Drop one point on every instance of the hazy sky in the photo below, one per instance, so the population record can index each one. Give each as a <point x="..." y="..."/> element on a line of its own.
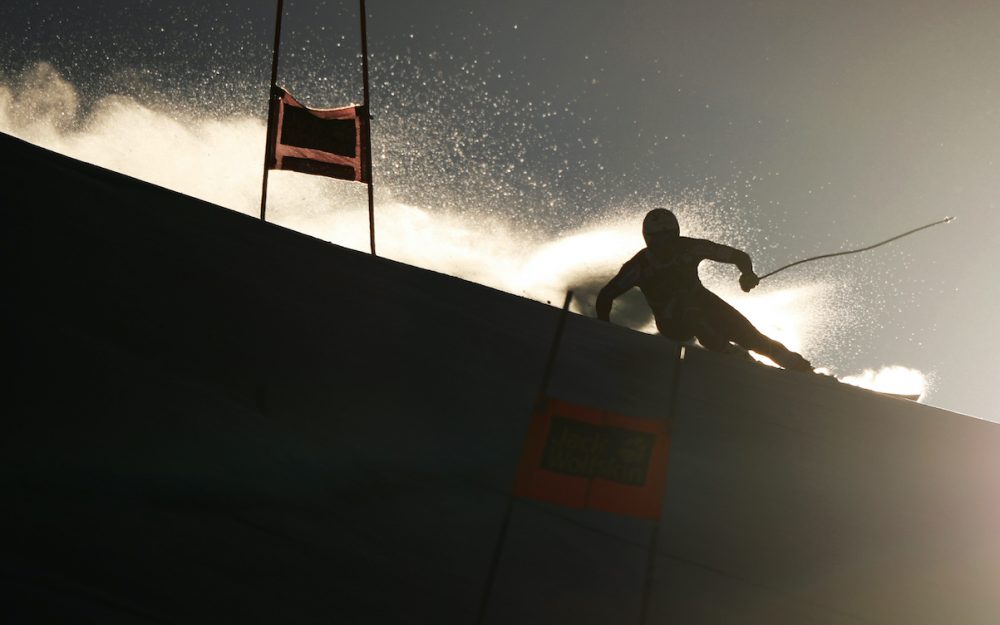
<point x="815" y="126"/>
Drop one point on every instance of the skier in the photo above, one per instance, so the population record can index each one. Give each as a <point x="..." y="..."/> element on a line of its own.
<point x="666" y="272"/>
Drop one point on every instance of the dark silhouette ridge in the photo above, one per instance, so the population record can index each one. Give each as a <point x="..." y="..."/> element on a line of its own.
<point x="214" y="419"/>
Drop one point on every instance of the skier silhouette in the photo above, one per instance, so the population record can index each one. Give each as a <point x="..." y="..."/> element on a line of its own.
<point x="666" y="271"/>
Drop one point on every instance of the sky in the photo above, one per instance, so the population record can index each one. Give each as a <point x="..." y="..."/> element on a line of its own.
<point x="519" y="144"/>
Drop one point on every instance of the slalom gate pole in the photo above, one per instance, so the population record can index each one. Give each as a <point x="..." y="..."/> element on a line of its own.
<point x="863" y="249"/>
<point x="550" y="364"/>
<point x="269" y="143"/>
<point x="502" y="537"/>
<point x="367" y="166"/>
<point x="654" y="535"/>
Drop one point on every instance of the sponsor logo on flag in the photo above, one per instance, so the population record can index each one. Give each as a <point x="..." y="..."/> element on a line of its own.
<point x="580" y="457"/>
<point x="324" y="142"/>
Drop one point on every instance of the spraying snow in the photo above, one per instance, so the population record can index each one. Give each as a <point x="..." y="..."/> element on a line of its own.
<point x="220" y="161"/>
<point x="891" y="377"/>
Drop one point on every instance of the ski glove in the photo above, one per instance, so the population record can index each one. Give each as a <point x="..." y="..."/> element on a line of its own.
<point x="748" y="280"/>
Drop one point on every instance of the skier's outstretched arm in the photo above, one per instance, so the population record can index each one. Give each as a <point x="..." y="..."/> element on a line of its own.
<point x="627" y="278"/>
<point x="605" y="299"/>
<point x="725" y="254"/>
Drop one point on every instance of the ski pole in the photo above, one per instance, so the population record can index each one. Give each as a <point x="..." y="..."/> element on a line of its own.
<point x="863" y="249"/>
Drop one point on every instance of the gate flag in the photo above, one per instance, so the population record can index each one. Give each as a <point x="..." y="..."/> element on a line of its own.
<point x="580" y="457"/>
<point x="324" y="142"/>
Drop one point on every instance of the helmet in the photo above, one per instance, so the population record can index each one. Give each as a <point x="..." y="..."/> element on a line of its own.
<point x="661" y="224"/>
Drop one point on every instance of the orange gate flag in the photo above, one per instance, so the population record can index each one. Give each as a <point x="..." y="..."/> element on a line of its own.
<point x="580" y="457"/>
<point x="325" y="142"/>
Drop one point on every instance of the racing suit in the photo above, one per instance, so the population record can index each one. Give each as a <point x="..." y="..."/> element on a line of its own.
<point x="684" y="309"/>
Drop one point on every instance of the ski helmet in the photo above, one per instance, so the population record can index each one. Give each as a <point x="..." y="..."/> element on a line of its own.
<point x="657" y="221"/>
